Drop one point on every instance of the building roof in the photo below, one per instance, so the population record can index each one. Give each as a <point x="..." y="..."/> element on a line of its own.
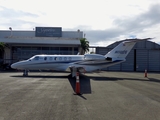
<point x="28" y="37"/>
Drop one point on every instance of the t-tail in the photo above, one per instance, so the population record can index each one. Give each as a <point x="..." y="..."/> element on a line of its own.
<point x="122" y="50"/>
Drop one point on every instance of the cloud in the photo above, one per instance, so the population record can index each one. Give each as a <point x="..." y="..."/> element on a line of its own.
<point x="127" y="26"/>
<point x="11" y="17"/>
<point x="11" y="13"/>
<point x="144" y="20"/>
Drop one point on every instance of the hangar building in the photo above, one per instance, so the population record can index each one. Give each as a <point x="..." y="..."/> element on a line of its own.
<point x="43" y="40"/>
<point x="144" y="55"/>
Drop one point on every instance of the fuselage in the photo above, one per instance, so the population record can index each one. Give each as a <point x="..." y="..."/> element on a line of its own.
<point x="63" y="62"/>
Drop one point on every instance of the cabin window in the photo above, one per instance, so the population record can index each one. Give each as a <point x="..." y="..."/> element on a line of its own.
<point x="55" y="58"/>
<point x="70" y="58"/>
<point x="50" y="58"/>
<point x="45" y="58"/>
<point x="65" y="58"/>
<point x="60" y="58"/>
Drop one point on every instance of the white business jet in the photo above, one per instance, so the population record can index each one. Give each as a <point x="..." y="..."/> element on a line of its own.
<point x="80" y="63"/>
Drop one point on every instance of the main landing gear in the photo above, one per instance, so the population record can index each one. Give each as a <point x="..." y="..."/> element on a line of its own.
<point x="73" y="71"/>
<point x="25" y="73"/>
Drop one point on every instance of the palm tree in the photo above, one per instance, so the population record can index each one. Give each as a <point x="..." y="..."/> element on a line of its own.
<point x="84" y="46"/>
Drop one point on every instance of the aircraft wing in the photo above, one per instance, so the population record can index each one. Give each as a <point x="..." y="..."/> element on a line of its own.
<point x="80" y="69"/>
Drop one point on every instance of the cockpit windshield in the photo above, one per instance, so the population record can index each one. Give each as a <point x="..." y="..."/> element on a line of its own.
<point x="34" y="58"/>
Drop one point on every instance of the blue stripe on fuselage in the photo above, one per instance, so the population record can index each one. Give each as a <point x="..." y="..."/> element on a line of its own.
<point x="86" y="62"/>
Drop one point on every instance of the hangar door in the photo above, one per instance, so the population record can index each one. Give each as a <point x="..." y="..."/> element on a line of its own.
<point x="141" y="61"/>
<point x="128" y="65"/>
<point x="154" y="60"/>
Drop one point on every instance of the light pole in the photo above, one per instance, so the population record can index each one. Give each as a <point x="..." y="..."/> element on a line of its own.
<point x="11" y="31"/>
<point x="79" y="48"/>
<point x="78" y="33"/>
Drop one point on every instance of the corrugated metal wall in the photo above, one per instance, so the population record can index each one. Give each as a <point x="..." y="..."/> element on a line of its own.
<point x="141" y="59"/>
<point x="144" y="55"/>
<point x="154" y="60"/>
<point x="115" y="68"/>
<point x="128" y="65"/>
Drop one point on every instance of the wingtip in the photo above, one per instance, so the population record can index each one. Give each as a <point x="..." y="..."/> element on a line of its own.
<point x="137" y="39"/>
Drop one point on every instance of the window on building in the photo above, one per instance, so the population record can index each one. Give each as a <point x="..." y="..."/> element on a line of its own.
<point x="64" y="50"/>
<point x="54" y="50"/>
<point x="70" y="51"/>
<point x="75" y="51"/>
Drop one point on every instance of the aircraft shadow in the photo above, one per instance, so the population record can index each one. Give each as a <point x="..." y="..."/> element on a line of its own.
<point x="85" y="84"/>
<point x="154" y="80"/>
<point x="116" y="79"/>
<point x="39" y="76"/>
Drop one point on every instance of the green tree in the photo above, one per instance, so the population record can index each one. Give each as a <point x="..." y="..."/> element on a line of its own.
<point x="2" y="47"/>
<point x="84" y="46"/>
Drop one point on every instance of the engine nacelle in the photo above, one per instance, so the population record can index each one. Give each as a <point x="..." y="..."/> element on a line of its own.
<point x="94" y="57"/>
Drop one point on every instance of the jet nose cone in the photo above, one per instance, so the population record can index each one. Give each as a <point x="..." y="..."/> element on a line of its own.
<point x="14" y="66"/>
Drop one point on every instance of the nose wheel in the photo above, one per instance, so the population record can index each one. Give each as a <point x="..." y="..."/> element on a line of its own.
<point x="25" y="73"/>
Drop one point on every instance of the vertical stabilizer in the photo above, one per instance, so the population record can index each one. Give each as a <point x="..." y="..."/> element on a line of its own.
<point x="121" y="51"/>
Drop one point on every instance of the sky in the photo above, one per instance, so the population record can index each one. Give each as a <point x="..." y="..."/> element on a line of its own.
<point x="102" y="21"/>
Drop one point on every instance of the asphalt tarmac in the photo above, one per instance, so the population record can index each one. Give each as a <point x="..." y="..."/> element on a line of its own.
<point x="105" y="96"/>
